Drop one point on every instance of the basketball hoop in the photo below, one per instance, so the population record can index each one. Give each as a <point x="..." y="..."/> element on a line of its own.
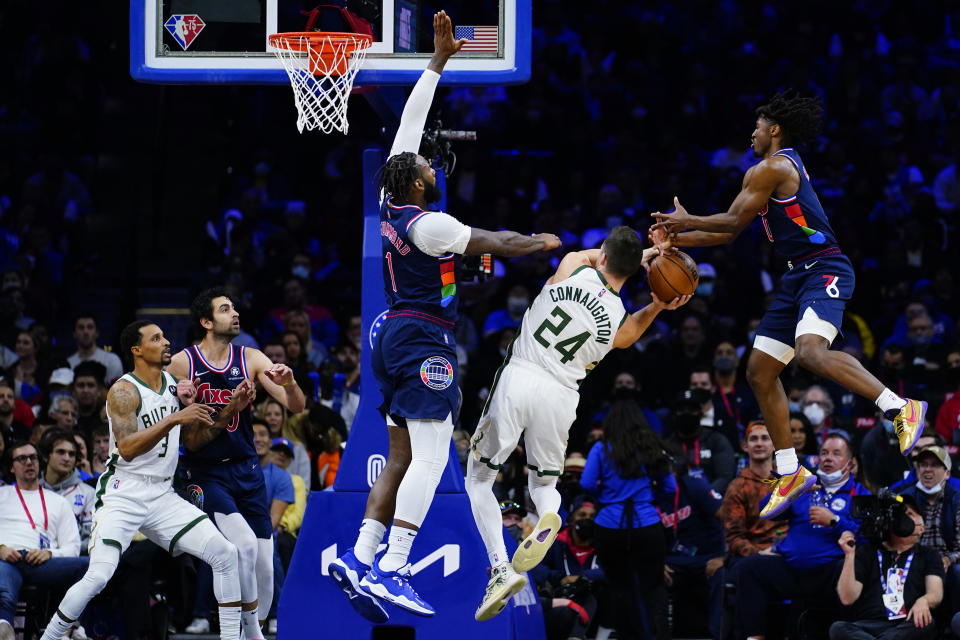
<point x="321" y="67"/>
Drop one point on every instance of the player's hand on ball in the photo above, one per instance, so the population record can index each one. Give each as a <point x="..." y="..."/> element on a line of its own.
<point x="187" y="391"/>
<point x="196" y="413"/>
<point x="660" y="241"/>
<point x="550" y="241"/>
<point x="676" y="303"/>
<point x="673" y="223"/>
<point x="279" y="374"/>
<point x="443" y="43"/>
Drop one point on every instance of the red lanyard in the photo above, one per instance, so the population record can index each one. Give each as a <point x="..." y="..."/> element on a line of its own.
<point x="30" y="517"/>
<point x="726" y="403"/>
<point x="696" y="452"/>
<point x="676" y="506"/>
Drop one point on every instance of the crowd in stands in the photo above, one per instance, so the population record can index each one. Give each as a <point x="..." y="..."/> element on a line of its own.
<point x="666" y="111"/>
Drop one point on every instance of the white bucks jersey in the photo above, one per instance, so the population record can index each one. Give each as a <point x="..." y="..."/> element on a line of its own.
<point x="570" y="326"/>
<point x="161" y="461"/>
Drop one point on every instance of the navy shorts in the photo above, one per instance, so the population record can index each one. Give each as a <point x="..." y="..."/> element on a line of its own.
<point x="232" y="487"/>
<point x="823" y="284"/>
<point x="415" y="362"/>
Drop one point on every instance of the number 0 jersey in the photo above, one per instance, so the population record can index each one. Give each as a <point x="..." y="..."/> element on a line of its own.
<point x="161" y="461"/>
<point x="570" y="326"/>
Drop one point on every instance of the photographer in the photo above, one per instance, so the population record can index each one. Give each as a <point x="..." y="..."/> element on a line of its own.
<point x="892" y="582"/>
<point x="568" y="576"/>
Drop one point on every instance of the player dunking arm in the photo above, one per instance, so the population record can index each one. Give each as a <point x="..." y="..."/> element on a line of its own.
<point x="220" y="465"/>
<point x="135" y="492"/>
<point x="574" y="322"/>
<point x="806" y="316"/>
<point x="414" y="357"/>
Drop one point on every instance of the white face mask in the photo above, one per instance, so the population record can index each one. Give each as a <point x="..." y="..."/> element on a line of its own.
<point x="815" y="414"/>
<point x="932" y="491"/>
<point x="831" y="478"/>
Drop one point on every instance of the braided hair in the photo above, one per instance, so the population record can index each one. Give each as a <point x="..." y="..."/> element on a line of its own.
<point x="396" y="177"/>
<point x="799" y="117"/>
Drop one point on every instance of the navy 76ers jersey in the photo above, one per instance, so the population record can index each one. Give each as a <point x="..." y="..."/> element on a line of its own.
<point x="215" y="389"/>
<point x="411" y="278"/>
<point x="797" y="226"/>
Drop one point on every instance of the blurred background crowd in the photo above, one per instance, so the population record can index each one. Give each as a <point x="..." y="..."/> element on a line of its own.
<point x="118" y="198"/>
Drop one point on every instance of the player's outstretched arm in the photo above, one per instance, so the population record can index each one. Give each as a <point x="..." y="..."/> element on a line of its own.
<point x="277" y="380"/>
<point x="636" y="323"/>
<point x="421" y="97"/>
<point x="573" y="261"/>
<point x="509" y="243"/>
<point x="122" y="404"/>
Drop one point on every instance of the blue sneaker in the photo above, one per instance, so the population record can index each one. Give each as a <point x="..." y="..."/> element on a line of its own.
<point x="347" y="572"/>
<point x="394" y="587"/>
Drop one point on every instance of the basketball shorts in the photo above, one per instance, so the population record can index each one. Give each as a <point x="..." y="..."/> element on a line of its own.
<point x="527" y="401"/>
<point x="415" y="363"/>
<point x="130" y="502"/>
<point x="235" y="487"/>
<point x="817" y="285"/>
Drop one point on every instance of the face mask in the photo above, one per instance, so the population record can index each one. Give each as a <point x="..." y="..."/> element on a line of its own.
<point x="920" y="340"/>
<point x="830" y="478"/>
<point x="301" y="271"/>
<point x="795" y="406"/>
<point x="888" y="426"/>
<point x="515" y="532"/>
<point x="932" y="491"/>
<point x="624" y="393"/>
<point x="724" y="364"/>
<point x="584" y="529"/>
<point x="815" y="414"/>
<point x="704" y="288"/>
<point x="516" y="306"/>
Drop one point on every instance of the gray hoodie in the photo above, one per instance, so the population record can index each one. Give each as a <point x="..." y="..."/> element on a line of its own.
<point x="81" y="498"/>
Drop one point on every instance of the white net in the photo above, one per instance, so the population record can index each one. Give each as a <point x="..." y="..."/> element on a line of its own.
<point x="321" y="68"/>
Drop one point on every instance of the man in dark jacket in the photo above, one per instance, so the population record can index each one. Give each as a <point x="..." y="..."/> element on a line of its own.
<point x="569" y="574"/>
<point x="708" y="453"/>
<point x="939" y="504"/>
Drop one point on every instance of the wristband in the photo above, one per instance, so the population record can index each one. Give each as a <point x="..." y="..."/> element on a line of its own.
<point x="287" y="383"/>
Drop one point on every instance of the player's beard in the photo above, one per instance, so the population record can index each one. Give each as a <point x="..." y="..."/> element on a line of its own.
<point x="227" y="331"/>
<point x="431" y="192"/>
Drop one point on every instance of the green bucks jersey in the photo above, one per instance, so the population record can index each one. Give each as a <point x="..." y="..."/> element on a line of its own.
<point x="570" y="326"/>
<point x="161" y="461"/>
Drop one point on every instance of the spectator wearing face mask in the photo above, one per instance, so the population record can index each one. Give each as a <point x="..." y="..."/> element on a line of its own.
<point x="518" y="299"/>
<point x="939" y="505"/>
<point x="817" y="406"/>
<point x="713" y="412"/>
<point x="883" y="464"/>
<point x="512" y="515"/>
<point x="707" y="452"/>
<point x="927" y="439"/>
<point x="734" y="395"/>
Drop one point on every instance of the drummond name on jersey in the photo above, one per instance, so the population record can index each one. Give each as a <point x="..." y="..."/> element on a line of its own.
<point x="591" y="303"/>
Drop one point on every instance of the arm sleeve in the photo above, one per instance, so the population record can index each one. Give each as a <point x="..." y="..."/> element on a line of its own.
<point x="415" y="114"/>
<point x="68" y="534"/>
<point x="438" y="233"/>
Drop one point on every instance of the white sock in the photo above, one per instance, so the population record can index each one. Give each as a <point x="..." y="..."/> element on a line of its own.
<point x="486" y="510"/>
<point x="250" y="625"/>
<point x="371" y="533"/>
<point x="229" y="622"/>
<point x="398" y="549"/>
<point x="56" y="628"/>
<point x="787" y="462"/>
<point x="889" y="401"/>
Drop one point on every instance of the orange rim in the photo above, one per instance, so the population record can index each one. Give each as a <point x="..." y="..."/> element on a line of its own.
<point x="329" y="52"/>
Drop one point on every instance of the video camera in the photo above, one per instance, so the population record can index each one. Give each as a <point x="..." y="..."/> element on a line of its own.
<point x="882" y="514"/>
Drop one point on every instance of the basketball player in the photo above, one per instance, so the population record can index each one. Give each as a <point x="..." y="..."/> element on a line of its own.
<point x="574" y="322"/>
<point x="220" y="466"/>
<point x="414" y="357"/>
<point x="806" y="316"/>
<point x="135" y="492"/>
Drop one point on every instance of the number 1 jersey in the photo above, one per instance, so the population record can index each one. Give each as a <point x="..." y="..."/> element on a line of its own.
<point x="570" y="326"/>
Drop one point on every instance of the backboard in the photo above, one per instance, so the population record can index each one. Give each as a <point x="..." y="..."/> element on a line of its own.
<point x="217" y="41"/>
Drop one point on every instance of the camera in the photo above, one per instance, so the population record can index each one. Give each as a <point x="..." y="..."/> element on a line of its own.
<point x="572" y="590"/>
<point x="882" y="515"/>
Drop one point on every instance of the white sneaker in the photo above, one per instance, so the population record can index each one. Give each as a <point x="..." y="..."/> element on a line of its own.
<point x="272" y="626"/>
<point x="199" y="625"/>
<point x="504" y="583"/>
<point x="6" y="630"/>
<point x="534" y="547"/>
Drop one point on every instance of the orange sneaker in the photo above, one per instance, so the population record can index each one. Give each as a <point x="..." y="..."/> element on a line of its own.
<point x="909" y="424"/>
<point x="786" y="490"/>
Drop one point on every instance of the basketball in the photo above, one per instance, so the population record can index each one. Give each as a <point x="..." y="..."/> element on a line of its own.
<point x="673" y="275"/>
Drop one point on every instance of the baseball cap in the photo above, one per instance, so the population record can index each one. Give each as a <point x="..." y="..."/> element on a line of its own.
<point x="282" y="444"/>
<point x="581" y="500"/>
<point x="63" y="376"/>
<point x="509" y="506"/>
<point x="939" y="452"/>
<point x="691" y="398"/>
<point x="575" y="462"/>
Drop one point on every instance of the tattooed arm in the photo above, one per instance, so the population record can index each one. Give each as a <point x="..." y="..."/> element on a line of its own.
<point x="122" y="402"/>
<point x="196" y="436"/>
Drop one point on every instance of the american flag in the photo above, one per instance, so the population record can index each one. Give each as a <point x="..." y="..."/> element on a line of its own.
<point x="479" y="38"/>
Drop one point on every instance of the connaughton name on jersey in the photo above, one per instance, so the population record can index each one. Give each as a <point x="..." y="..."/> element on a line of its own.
<point x="590" y="303"/>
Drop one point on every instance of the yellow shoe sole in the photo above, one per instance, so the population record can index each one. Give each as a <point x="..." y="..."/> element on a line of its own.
<point x="535" y="546"/>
